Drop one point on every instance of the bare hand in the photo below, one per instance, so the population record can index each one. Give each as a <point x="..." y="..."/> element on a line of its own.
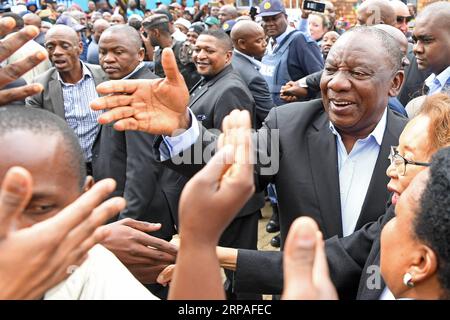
<point x="291" y="92"/>
<point x="156" y="106"/>
<point x="306" y="275"/>
<point x="222" y="188"/>
<point x="35" y="259"/>
<point x="208" y="203"/>
<point x="14" y="70"/>
<point x="165" y="277"/>
<point x="144" y="255"/>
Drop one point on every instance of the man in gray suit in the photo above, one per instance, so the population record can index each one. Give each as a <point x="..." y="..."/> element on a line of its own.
<point x="250" y="44"/>
<point x="69" y="87"/>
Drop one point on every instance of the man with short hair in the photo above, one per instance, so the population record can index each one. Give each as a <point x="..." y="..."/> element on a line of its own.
<point x="117" y="19"/>
<point x="49" y="151"/>
<point x="432" y="45"/>
<point x="157" y="28"/>
<point x="291" y="55"/>
<point x="227" y="12"/>
<point x="31" y="19"/>
<point x="332" y="153"/>
<point x="128" y="158"/>
<point x="92" y="52"/>
<point x="69" y="87"/>
<point x="175" y="33"/>
<point x="402" y="16"/>
<point x="249" y="46"/>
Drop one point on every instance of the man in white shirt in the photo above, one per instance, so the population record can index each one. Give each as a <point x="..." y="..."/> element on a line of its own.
<point x="432" y="45"/>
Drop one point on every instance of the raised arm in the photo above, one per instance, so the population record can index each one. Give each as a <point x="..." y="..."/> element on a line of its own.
<point x="13" y="71"/>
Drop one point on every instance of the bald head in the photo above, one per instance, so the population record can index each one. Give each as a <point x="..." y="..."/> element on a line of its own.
<point x="248" y="37"/>
<point x="437" y="13"/>
<point x="373" y="12"/>
<point x="125" y="35"/>
<point x="400" y="8"/>
<point x="244" y="29"/>
<point x="100" y="23"/>
<point x="396" y="34"/>
<point x="31" y="19"/>
<point x="61" y="29"/>
<point x="99" y="27"/>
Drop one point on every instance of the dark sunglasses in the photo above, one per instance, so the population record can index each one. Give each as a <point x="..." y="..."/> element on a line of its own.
<point x="401" y="19"/>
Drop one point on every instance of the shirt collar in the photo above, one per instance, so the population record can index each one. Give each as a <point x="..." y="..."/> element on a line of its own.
<point x="139" y="67"/>
<point x="281" y="37"/>
<point x="86" y="74"/>
<point x="252" y="60"/>
<point x="377" y="133"/>
<point x="442" y="77"/>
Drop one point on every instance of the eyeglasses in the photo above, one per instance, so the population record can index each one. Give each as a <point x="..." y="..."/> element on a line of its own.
<point x="400" y="162"/>
<point x="401" y="19"/>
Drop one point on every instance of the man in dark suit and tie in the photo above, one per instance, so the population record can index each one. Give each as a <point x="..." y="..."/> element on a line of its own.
<point x="220" y="91"/>
<point x="327" y="157"/>
<point x="128" y="158"/>
<point x="250" y="44"/>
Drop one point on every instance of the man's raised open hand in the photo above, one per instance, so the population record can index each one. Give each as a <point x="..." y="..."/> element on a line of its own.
<point x="156" y="106"/>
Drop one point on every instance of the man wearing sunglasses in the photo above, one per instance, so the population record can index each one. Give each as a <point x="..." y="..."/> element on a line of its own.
<point x="403" y="16"/>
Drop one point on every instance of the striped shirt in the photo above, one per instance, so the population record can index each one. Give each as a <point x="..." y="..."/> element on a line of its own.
<point x="79" y="116"/>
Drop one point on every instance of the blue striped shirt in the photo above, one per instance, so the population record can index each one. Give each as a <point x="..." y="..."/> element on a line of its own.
<point x="79" y="116"/>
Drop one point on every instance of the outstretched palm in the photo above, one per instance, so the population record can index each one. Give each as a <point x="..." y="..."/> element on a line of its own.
<point x="155" y="106"/>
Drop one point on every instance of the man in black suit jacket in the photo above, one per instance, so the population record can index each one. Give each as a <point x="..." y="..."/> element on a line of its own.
<point x="249" y="47"/>
<point x="221" y="91"/>
<point x="128" y="157"/>
<point x="307" y="143"/>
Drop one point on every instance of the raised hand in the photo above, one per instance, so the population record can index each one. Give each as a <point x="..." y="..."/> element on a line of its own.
<point x="156" y="106"/>
<point x="35" y="259"/>
<point x="144" y="255"/>
<point x="306" y="275"/>
<point x="208" y="203"/>
<point x="13" y="71"/>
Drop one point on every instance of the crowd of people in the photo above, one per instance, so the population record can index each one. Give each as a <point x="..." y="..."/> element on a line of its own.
<point x="140" y="146"/>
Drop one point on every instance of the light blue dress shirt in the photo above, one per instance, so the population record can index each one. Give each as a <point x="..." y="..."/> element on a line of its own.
<point x="177" y="144"/>
<point x="79" y="116"/>
<point x="439" y="83"/>
<point x="355" y="172"/>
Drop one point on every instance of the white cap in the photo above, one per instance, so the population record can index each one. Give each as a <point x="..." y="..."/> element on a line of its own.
<point x="183" y="22"/>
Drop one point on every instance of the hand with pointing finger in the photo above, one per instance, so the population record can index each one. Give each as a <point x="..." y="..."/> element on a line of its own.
<point x="157" y="106"/>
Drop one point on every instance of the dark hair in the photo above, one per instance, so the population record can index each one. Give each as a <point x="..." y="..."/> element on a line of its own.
<point x="18" y="19"/>
<point x="43" y="122"/>
<point x="135" y="23"/>
<point x="432" y="223"/>
<point x="221" y="35"/>
<point x="388" y="42"/>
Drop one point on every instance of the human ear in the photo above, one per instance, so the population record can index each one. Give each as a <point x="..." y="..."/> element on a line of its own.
<point x="396" y="83"/>
<point x="229" y="55"/>
<point x="424" y="266"/>
<point x="88" y="183"/>
<point x="141" y="54"/>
